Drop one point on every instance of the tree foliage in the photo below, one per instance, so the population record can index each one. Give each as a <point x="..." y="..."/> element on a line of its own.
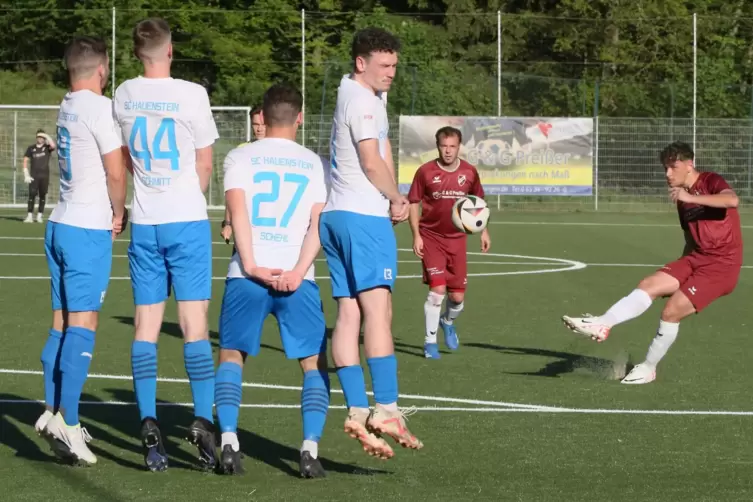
<point x="566" y="58"/>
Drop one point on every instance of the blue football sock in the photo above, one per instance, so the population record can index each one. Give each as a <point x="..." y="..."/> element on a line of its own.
<point x="384" y="378"/>
<point x="200" y="370"/>
<point x="227" y="395"/>
<point x="75" y="359"/>
<point x="314" y="404"/>
<point x="354" y="386"/>
<point x="144" y="370"/>
<point x="51" y="369"/>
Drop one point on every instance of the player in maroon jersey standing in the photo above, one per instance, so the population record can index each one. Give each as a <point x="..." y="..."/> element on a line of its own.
<point x="708" y="269"/>
<point x="442" y="247"/>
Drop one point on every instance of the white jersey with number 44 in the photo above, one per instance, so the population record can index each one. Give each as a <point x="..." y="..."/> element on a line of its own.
<point x="85" y="133"/>
<point x="282" y="181"/>
<point x="163" y="121"/>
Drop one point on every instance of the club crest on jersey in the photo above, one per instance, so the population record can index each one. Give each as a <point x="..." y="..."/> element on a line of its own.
<point x="461" y="179"/>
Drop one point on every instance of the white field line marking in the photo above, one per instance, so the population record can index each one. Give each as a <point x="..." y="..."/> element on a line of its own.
<point x="495" y="222"/>
<point x="269" y="406"/>
<point x="296" y="388"/>
<point x="517" y="263"/>
<point x="562" y="265"/>
<point x="319" y="260"/>
<point x="594" y="224"/>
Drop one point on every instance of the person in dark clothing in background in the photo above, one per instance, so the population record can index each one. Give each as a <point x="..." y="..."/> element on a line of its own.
<point x="37" y="172"/>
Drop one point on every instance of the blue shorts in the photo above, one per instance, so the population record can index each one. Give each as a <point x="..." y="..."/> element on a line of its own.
<point x="361" y="252"/>
<point x="80" y="261"/>
<point x="171" y="255"/>
<point x="246" y="305"/>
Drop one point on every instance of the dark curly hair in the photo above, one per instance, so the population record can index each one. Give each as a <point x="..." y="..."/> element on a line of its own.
<point x="370" y="40"/>
<point x="676" y="151"/>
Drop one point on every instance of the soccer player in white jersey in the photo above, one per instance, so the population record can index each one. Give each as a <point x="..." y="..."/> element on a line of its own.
<point x="78" y="242"/>
<point x="359" y="242"/>
<point x="169" y="131"/>
<point x="275" y="190"/>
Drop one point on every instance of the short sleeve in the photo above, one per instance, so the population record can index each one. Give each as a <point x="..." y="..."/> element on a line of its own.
<point x="417" y="187"/>
<point x="105" y="133"/>
<point x="362" y="119"/>
<point x="28" y="152"/>
<point x="205" y="130"/>
<point x="716" y="183"/>
<point x="233" y="173"/>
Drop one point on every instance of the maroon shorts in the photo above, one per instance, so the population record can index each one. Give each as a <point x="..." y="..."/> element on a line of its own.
<point x="445" y="262"/>
<point x="703" y="279"/>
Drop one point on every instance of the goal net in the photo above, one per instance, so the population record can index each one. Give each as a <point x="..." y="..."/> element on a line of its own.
<point x="19" y="124"/>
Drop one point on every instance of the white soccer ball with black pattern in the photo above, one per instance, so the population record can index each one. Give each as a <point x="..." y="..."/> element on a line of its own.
<point x="470" y="214"/>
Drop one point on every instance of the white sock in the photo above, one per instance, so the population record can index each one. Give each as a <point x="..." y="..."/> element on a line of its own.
<point x="665" y="337"/>
<point x="629" y="307"/>
<point x="389" y="406"/>
<point x="453" y="311"/>
<point x="432" y="311"/>
<point x="310" y="446"/>
<point x="231" y="438"/>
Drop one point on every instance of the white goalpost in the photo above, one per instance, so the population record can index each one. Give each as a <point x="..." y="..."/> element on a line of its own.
<point x="19" y="124"/>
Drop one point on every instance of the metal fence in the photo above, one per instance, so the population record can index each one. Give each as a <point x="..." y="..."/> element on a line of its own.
<point x="627" y="174"/>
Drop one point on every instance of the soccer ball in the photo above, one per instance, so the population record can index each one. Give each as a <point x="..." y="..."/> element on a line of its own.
<point x="470" y="214"/>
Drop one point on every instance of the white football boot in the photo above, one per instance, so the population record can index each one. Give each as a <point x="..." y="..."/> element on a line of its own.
<point x="587" y="325"/>
<point x="642" y="373"/>
<point x="42" y="421"/>
<point x="39" y="218"/>
<point x="73" y="437"/>
<point x="29" y="218"/>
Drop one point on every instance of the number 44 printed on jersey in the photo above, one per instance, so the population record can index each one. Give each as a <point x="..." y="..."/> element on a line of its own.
<point x="145" y="150"/>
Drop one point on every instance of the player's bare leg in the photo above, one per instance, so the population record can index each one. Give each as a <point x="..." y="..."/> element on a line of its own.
<point x="314" y="407"/>
<point x="62" y="430"/>
<point x="197" y="353"/>
<point x="347" y="357"/>
<point x="386" y="418"/>
<point x="677" y="308"/>
<point x="227" y="397"/>
<point x="432" y="313"/>
<point x="147" y="323"/>
<point x="453" y="310"/>
<point x="659" y="284"/>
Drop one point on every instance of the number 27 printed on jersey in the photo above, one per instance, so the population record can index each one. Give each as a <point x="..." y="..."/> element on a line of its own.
<point x="146" y="151"/>
<point x="273" y="195"/>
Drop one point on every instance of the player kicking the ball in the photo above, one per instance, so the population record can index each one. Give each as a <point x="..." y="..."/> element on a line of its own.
<point x="78" y="242"/>
<point x="442" y="247"/>
<point x="169" y="129"/>
<point x="709" y="268"/>
<point x="275" y="190"/>
<point x="359" y="242"/>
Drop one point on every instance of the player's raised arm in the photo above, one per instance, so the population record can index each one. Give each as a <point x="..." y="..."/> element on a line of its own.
<point x="722" y="195"/>
<point x="205" y="131"/>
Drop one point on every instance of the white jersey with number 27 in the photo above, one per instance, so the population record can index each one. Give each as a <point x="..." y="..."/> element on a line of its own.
<point x="282" y="181"/>
<point x="164" y="121"/>
<point x="85" y="133"/>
